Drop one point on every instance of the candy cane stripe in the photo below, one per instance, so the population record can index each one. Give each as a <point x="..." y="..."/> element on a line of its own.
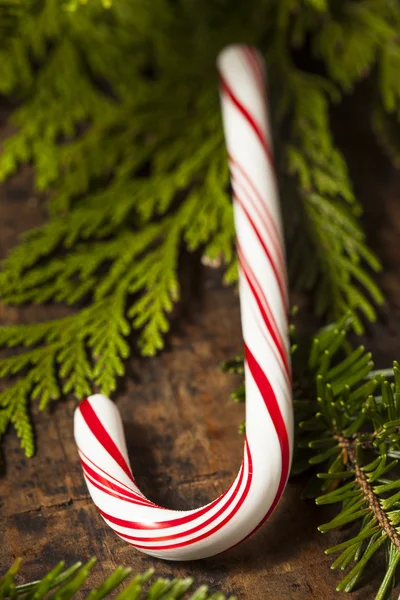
<point x="267" y="321"/>
<point x="111" y="488"/>
<point x="240" y="191"/>
<point x="273" y="408"/>
<point x="206" y="534"/>
<point x="110" y="492"/>
<point x="191" y="531"/>
<point x="249" y="118"/>
<point x="253" y="495"/>
<point x="236" y="166"/>
<point x="103" y="436"/>
<point x="260" y="296"/>
<point x="183" y="520"/>
<point x="278" y="277"/>
<point x="112" y="480"/>
<point x="253" y="63"/>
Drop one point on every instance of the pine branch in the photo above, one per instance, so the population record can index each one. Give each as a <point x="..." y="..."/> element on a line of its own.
<point x="65" y="583"/>
<point x="354" y="438"/>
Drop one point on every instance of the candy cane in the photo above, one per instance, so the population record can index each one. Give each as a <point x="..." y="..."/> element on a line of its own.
<point x="234" y="516"/>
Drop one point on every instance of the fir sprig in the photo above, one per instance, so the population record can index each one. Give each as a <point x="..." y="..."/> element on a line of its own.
<point x="61" y="584"/>
<point x="354" y="437"/>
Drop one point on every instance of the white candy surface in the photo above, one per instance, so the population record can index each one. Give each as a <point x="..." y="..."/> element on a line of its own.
<point x="234" y="516"/>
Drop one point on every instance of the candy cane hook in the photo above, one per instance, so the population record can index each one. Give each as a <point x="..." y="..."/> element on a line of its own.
<point x="234" y="516"/>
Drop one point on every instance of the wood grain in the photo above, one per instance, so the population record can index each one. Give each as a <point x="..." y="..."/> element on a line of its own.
<point x="182" y="427"/>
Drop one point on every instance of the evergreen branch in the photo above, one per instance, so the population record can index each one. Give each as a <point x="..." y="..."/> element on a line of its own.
<point x="354" y="438"/>
<point x="368" y="491"/>
<point x="351" y="39"/>
<point x="333" y="258"/>
<point x="134" y="153"/>
<point x="65" y="583"/>
<point x="141" y="120"/>
<point x="68" y="355"/>
<point x="387" y="131"/>
<point x="131" y="272"/>
<point x="11" y="13"/>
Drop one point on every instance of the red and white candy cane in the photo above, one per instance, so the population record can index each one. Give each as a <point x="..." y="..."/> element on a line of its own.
<point x="234" y="516"/>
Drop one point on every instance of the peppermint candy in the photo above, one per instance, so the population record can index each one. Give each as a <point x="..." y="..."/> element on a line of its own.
<point x="245" y="506"/>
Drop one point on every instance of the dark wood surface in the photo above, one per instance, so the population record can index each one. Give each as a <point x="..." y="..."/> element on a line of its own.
<point x="182" y="427"/>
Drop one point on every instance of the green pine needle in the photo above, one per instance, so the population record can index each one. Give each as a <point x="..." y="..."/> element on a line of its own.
<point x="65" y="583"/>
<point x="353" y="436"/>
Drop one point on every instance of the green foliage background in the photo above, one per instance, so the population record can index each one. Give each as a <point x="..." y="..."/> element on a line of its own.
<point x="117" y="109"/>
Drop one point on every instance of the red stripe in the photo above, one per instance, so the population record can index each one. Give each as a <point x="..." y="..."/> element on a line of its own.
<point x="172" y="522"/>
<point x="278" y="277"/>
<point x="274" y="411"/>
<point x="258" y="66"/>
<point x="272" y="405"/>
<point x="257" y="194"/>
<point x="274" y="350"/>
<point x="103" y="437"/>
<point x="129" y="496"/>
<point x="217" y="527"/>
<point x="121" y="483"/>
<point x="166" y="538"/>
<point x="266" y="319"/>
<point x="249" y="118"/>
<point x="267" y="223"/>
<point x="111" y="493"/>
<point x="252" y="61"/>
<point x="267" y="315"/>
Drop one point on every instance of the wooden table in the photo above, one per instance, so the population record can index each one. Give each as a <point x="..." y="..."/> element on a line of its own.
<point x="182" y="426"/>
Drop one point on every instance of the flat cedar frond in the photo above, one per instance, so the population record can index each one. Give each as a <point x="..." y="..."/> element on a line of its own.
<point x="387" y="130"/>
<point x="330" y="255"/>
<point x="65" y="583"/>
<point x="351" y="39"/>
<point x="11" y="14"/>
<point x="85" y="349"/>
<point x="353" y="435"/>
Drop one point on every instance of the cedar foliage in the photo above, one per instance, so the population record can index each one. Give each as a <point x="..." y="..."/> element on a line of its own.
<point x="118" y="112"/>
